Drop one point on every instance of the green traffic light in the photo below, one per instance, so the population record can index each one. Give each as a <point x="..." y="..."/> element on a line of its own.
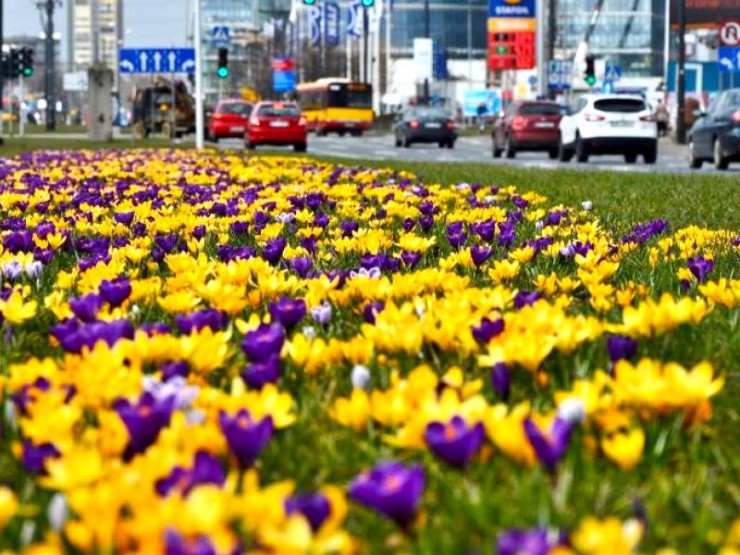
<point x="309" y="2"/>
<point x="368" y="3"/>
<point x="222" y="72"/>
<point x="590" y="80"/>
<point x="27" y="72"/>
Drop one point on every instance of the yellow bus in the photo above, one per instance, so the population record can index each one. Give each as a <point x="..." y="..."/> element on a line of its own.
<point x="336" y="104"/>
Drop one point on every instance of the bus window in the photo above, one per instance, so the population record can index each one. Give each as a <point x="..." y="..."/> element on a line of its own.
<point x="350" y="96"/>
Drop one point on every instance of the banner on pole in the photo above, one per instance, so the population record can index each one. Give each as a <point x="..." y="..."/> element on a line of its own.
<point x="314" y="18"/>
<point x="332" y="14"/>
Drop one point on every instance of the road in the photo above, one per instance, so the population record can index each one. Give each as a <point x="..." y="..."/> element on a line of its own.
<point x="477" y="149"/>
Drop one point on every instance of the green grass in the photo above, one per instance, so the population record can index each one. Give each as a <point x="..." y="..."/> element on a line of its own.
<point x="18" y="145"/>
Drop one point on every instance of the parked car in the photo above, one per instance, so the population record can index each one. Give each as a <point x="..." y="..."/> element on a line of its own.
<point x="153" y="111"/>
<point x="715" y="136"/>
<point x="276" y="123"/>
<point x="528" y="126"/>
<point x="229" y="120"/>
<point x="425" y="125"/>
<point x="609" y="124"/>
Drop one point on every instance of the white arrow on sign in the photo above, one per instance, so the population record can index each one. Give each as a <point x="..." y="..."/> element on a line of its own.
<point x="727" y="62"/>
<point x="188" y="66"/>
<point x="157" y="61"/>
<point x="142" y="60"/>
<point x="127" y="66"/>
<point x="172" y="57"/>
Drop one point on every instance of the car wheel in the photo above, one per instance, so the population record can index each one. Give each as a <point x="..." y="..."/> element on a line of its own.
<point x="249" y="146"/>
<point x="509" y="148"/>
<point x="650" y="156"/>
<point x="495" y="150"/>
<point x="581" y="150"/>
<point x="450" y="144"/>
<point x="694" y="162"/>
<point x="552" y="154"/>
<point x="300" y="147"/>
<point x="398" y="141"/>
<point x="630" y="158"/>
<point x="341" y="133"/>
<point x="406" y="142"/>
<point x="720" y="162"/>
<point x="441" y="144"/>
<point x="564" y="153"/>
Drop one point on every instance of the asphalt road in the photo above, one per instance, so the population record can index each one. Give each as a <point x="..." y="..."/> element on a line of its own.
<point x="672" y="158"/>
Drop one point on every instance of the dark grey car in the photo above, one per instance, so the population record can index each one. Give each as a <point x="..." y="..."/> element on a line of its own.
<point x="425" y="125"/>
<point x="715" y="136"/>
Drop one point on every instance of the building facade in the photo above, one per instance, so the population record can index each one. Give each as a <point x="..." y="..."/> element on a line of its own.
<point x="628" y="33"/>
<point x="95" y="29"/>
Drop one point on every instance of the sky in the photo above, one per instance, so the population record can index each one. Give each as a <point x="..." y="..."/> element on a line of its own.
<point x="145" y="22"/>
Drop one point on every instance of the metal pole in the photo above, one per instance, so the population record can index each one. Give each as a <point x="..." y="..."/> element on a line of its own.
<point x="365" y="49"/>
<point x="50" y="92"/>
<point x="681" y="85"/>
<point x="540" y="48"/>
<point x="322" y="49"/>
<point x="470" y="46"/>
<point x="388" y="47"/>
<point x="2" y="74"/>
<point x="552" y="29"/>
<point x="21" y="109"/>
<point x="198" y="78"/>
<point x="427" y="34"/>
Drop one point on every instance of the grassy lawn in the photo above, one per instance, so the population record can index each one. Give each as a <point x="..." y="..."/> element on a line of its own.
<point x="687" y="481"/>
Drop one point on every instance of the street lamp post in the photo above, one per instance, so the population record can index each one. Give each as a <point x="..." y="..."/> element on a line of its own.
<point x="47" y="17"/>
<point x="681" y="85"/>
<point x="427" y="34"/>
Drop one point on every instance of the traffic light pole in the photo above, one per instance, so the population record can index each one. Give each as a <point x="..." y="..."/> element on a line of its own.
<point x="51" y="104"/>
<point x="365" y="48"/>
<point x="427" y="34"/>
<point x="198" y="78"/>
<point x="681" y="85"/>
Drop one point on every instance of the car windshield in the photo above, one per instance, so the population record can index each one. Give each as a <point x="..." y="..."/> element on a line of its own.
<point x="542" y="110"/>
<point x="278" y="110"/>
<point x="238" y="108"/>
<point x="620" y="105"/>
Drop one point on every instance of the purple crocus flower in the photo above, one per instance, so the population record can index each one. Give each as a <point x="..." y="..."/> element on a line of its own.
<point x="176" y="544"/>
<point x="487" y="330"/>
<point x="125" y="218"/>
<point x="288" y="311"/>
<point x="257" y="374"/>
<point x="349" y="227"/>
<point x="392" y="489"/>
<point x="144" y="420"/>
<point x="410" y="258"/>
<point x="273" y="250"/>
<point x="314" y="506"/>
<point x="457" y="239"/>
<point x="196" y="321"/>
<point x="620" y="347"/>
<point x="264" y="342"/>
<point x="86" y="308"/>
<point x="206" y="470"/>
<point x="371" y="310"/>
<point x="301" y="265"/>
<point x="175" y="369"/>
<point x="245" y="436"/>
<point x="523" y="542"/>
<point x="322" y="313"/>
<point x="501" y="380"/>
<point x="480" y="254"/>
<point x="456" y="442"/>
<point x="115" y="292"/>
<point x="35" y="456"/>
<point x="549" y="446"/>
<point x="526" y="298"/>
<point x="700" y="267"/>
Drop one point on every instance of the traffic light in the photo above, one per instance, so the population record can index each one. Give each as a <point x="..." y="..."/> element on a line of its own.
<point x="26" y="62"/>
<point x="590" y="74"/>
<point x="368" y="3"/>
<point x="16" y="63"/>
<point x="223" y="63"/>
<point x="309" y="2"/>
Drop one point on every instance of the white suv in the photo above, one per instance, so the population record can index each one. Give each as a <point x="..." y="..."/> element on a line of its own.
<point x="609" y="124"/>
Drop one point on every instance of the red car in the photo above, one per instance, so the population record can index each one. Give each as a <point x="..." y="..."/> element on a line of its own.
<point x="229" y="120"/>
<point x="528" y="125"/>
<point x="276" y="123"/>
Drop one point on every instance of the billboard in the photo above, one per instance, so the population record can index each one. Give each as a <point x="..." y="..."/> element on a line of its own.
<point x="511" y="8"/>
<point x="705" y="13"/>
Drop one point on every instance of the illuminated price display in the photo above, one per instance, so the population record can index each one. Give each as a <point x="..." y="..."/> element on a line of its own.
<point x="511" y="50"/>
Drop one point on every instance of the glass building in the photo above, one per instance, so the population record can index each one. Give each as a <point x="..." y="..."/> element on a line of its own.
<point x="455" y="24"/>
<point x="629" y="33"/>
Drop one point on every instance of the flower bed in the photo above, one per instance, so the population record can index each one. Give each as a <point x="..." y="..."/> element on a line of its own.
<point x="209" y="354"/>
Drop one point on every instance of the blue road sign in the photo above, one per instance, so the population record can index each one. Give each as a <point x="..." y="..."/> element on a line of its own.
<point x="156" y="60"/>
<point x="729" y="58"/>
<point x="439" y="61"/>
<point x="559" y="74"/>
<point x="283" y="81"/>
<point x="511" y="8"/>
<point x="221" y="35"/>
<point x="612" y="72"/>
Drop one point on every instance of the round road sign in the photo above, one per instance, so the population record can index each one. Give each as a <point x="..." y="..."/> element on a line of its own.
<point x="729" y="33"/>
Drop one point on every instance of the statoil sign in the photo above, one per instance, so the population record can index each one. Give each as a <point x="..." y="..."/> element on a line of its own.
<point x="511" y="8"/>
